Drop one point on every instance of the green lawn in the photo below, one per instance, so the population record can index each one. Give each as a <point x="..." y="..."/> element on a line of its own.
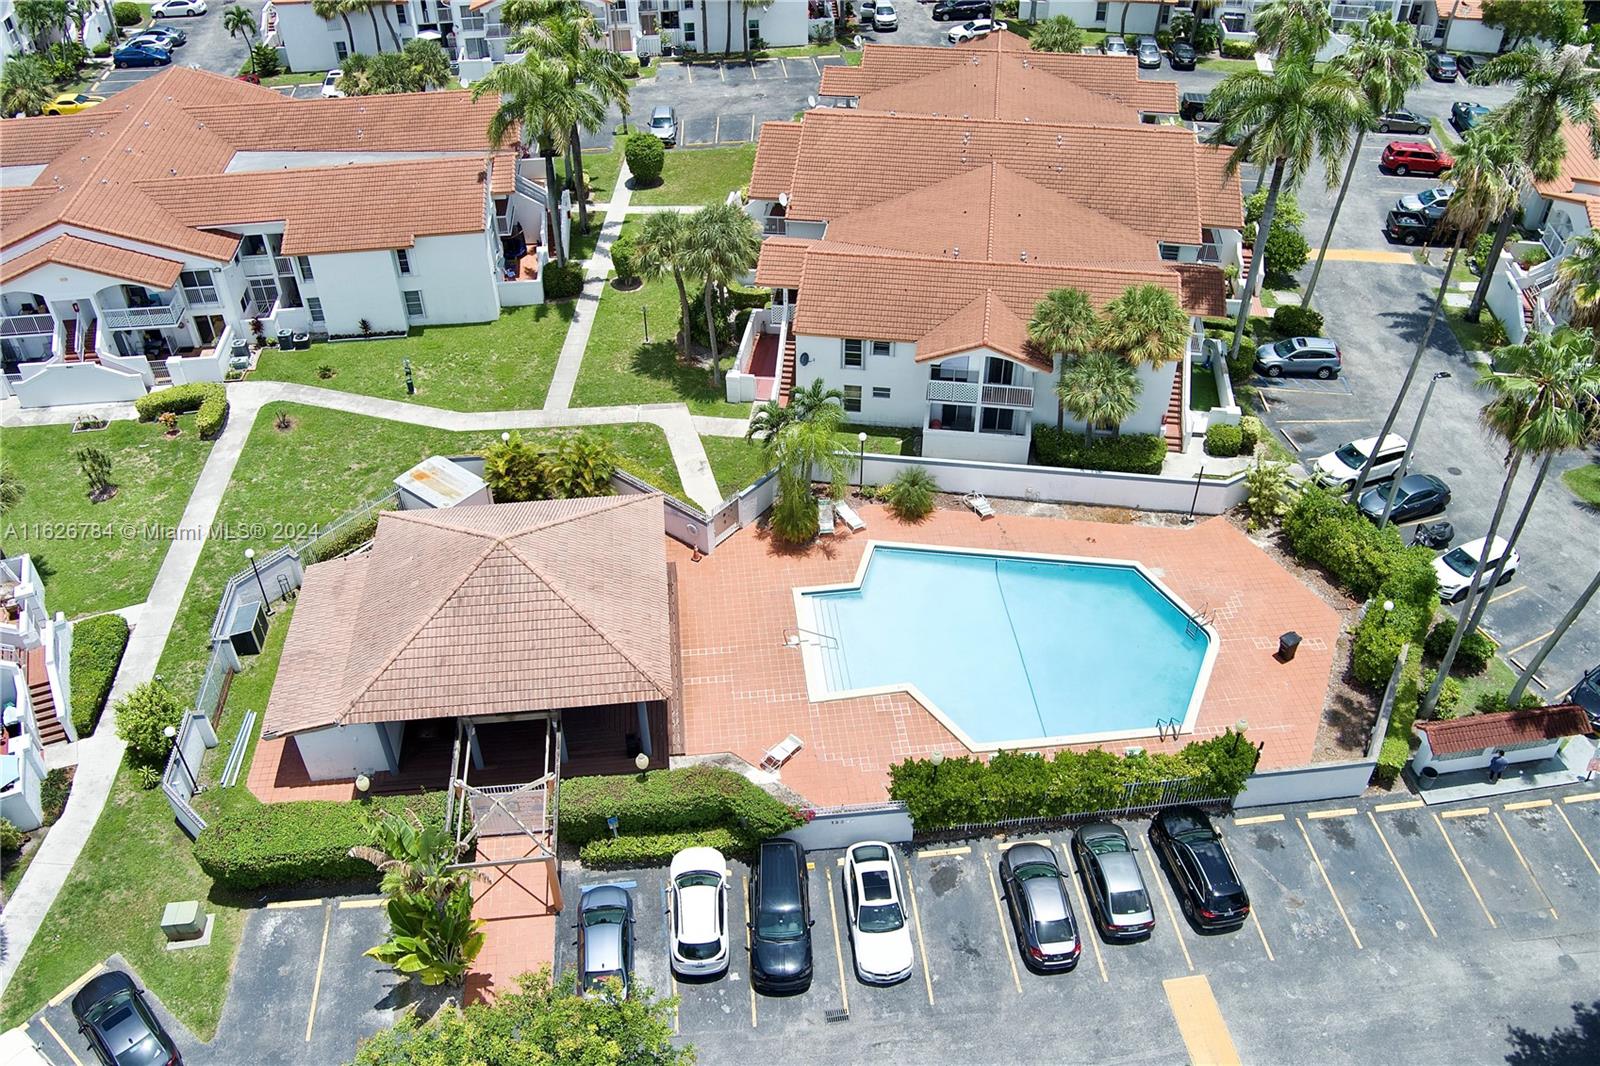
<point x="1584" y="481"/>
<point x="1446" y="134"/>
<point x="700" y="176"/>
<point x="800" y="51"/>
<point x="492" y="366"/>
<point x="298" y="77"/>
<point x="98" y="556"/>
<point x="1472" y="336"/>
<point x="620" y="366"/>
<point x="1203" y="394"/>
<point x="737" y="462"/>
<point x="1226" y="66"/>
<point x="600" y="167"/>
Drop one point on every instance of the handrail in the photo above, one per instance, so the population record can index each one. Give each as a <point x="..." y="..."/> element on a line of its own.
<point x="823" y="639"/>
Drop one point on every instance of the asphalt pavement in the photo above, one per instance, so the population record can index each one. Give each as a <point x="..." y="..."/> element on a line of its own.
<point x="208" y="48"/>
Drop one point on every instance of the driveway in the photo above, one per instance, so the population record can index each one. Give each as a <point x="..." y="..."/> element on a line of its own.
<point x="726" y="103"/>
<point x="209" y="48"/>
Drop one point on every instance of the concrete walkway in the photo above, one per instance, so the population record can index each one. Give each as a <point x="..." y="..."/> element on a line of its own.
<point x="594" y="286"/>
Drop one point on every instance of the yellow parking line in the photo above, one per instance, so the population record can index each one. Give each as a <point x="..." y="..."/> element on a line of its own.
<point x="357" y="904"/>
<point x="316" y="985"/>
<point x="1338" y="812"/>
<point x="999" y="913"/>
<point x="293" y="904"/>
<point x="1262" y="933"/>
<point x="1531" y="875"/>
<point x="1200" y="1023"/>
<point x="1363" y="255"/>
<point x="1327" y="881"/>
<point x="66" y="993"/>
<point x="1508" y="592"/>
<point x="934" y="853"/>
<point x="1403" y="805"/>
<point x="57" y="1036"/>
<point x="1467" y="812"/>
<point x="1527" y="644"/>
<point x="1585" y="798"/>
<point x="1088" y="916"/>
<point x="922" y="945"/>
<point x="1258" y="819"/>
<point x="1403" y="878"/>
<point x="1172" y="916"/>
<point x="744" y="881"/>
<point x="1527" y="805"/>
<point x="1463" y="868"/>
<point x="838" y="952"/>
<point x="1573" y="830"/>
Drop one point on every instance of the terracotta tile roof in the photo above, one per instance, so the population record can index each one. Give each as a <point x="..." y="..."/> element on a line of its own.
<point x="1011" y="89"/>
<point x="1577" y="165"/>
<point x="482" y="610"/>
<point x="777" y="149"/>
<point x="1483" y="731"/>
<point x="986" y="322"/>
<point x="1221" y="199"/>
<point x="1465" y="10"/>
<point x="781" y="263"/>
<point x="96" y="258"/>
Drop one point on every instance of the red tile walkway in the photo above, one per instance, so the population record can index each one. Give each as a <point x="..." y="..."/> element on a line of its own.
<point x="744" y="690"/>
<point x="517" y="906"/>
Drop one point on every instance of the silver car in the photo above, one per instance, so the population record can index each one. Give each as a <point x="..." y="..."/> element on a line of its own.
<point x="1149" y="52"/>
<point x="1112" y="881"/>
<point x="664" y="124"/>
<point x="1300" y="355"/>
<point x="605" y="939"/>
<point x="1040" y="911"/>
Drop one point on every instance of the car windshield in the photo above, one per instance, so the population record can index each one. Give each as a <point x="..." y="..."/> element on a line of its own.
<point x="1035" y="869"/>
<point x="699" y="879"/>
<point x="1428" y="196"/>
<point x="880" y="918"/>
<point x="700" y="952"/>
<point x="603" y="916"/>
<point x="658" y="121"/>
<point x="1350" y="456"/>
<point x="1462" y="563"/>
<point x="780" y="925"/>
<point x="1195" y="836"/>
<point x="1108" y="845"/>
<point x="1132" y="902"/>
<point x="1058" y="931"/>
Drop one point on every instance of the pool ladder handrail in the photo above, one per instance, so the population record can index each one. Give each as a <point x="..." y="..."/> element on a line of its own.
<point x="791" y="637"/>
<point x="1197" y="623"/>
<point x="1168" y="726"/>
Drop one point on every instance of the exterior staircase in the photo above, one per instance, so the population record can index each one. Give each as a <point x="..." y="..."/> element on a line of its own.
<point x="89" y="350"/>
<point x="786" y="384"/>
<point x="51" y="731"/>
<point x="158" y="367"/>
<point x="1172" y="421"/>
<point x="69" y="339"/>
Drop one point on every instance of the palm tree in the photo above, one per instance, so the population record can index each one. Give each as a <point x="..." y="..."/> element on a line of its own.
<point x="1554" y="86"/>
<point x="723" y="245"/>
<point x="236" y="20"/>
<point x="39" y="20"/>
<point x="1293" y="28"/>
<point x="429" y="66"/>
<point x="1556" y="377"/>
<point x="1064" y="324"/>
<point x="662" y="245"/>
<point x="535" y="101"/>
<point x="771" y="417"/>
<point x="1552" y="640"/>
<point x="802" y="448"/>
<point x="744" y="13"/>
<point x="1058" y="33"/>
<point x="1285" y="119"/>
<point x="1579" y="279"/>
<point x="1386" y="63"/>
<point x="26" y="85"/>
<point x="1100" y="390"/>
<point x="1147" y="326"/>
<point x="1483" y="176"/>
<point x="327" y="9"/>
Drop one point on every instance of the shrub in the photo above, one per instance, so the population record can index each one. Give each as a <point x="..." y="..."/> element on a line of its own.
<point x="142" y="715"/>
<point x="514" y="470"/>
<point x="11" y="838"/>
<point x="97" y="647"/>
<point x="64" y="58"/>
<point x="1223" y="441"/>
<point x="1250" y="433"/>
<point x="562" y="282"/>
<point x="581" y="465"/>
<point x="1377" y="647"/>
<point x="101" y="50"/>
<point x="347" y="539"/>
<point x="1449" y="693"/>
<point x="1287" y="249"/>
<point x="1392" y="758"/>
<point x="1532" y="258"/>
<point x="1131" y="453"/>
<point x="656" y="849"/>
<point x="911" y="494"/>
<point x="1472" y="657"/>
<point x="1268" y="485"/>
<point x="1499" y="700"/>
<point x="625" y="260"/>
<point x="630" y="67"/>
<point x="645" y="157"/>
<point x="670" y="801"/>
<point x="126" y="14"/>
<point x="292" y="843"/>
<point x="1481" y="247"/>
<point x="794" y="512"/>
<point x="1494" y="331"/>
<point x="1331" y="533"/>
<point x="53" y="793"/>
<point x="1208" y="38"/>
<point x="1238" y="49"/>
<point x="1292" y="320"/>
<point x="264" y="61"/>
<point x="1286" y="212"/>
<point x="208" y="398"/>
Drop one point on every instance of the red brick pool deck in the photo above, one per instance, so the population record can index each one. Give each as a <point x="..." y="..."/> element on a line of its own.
<point x="744" y="691"/>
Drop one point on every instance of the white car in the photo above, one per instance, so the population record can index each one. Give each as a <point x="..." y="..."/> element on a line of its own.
<point x="1339" y="469"/>
<point x="971" y="31"/>
<point x="699" y="912"/>
<point x="177" y="9"/>
<point x="1455" y="568"/>
<point x="875" y="908"/>
<point x="884" y="16"/>
<point x="330" y="85"/>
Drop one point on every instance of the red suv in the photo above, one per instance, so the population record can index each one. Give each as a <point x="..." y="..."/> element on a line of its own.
<point x="1415" y="157"/>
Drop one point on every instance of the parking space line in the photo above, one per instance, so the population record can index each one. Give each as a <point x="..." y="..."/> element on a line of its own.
<point x="357" y="904"/>
<point x="1403" y="805"/>
<point x="1258" y="819"/>
<point x="1172" y="916"/>
<point x="1200" y="1022"/>
<point x="1465" y="812"/>
<point x="1403" y="878"/>
<point x="933" y="853"/>
<point x="689" y="67"/>
<point x="1340" y="812"/>
<point x="1463" y="868"/>
<point x="316" y="985"/>
<point x="57" y="1037"/>
<point x="922" y="945"/>
<point x="1585" y="798"/>
<point x="722" y="68"/>
<point x="1000" y="915"/>
<point x="1508" y="592"/>
<point x="1531" y="875"/>
<point x="1262" y="933"/>
<point x="748" y="954"/>
<point x="1527" y="805"/>
<point x="1328" y="882"/>
<point x="292" y="904"/>
<point x="1528" y="644"/>
<point x="1083" y="904"/>
<point x="838" y="952"/>
<point x="814" y="63"/>
<point x="1574" y="831"/>
<point x="752" y="126"/>
<point x="666" y="935"/>
<point x="66" y="993"/>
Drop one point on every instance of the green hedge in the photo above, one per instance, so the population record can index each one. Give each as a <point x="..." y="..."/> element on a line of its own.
<point x="353" y="536"/>
<point x="562" y="282"/>
<point x="209" y="398"/>
<point x="645" y="156"/>
<point x="97" y="646"/>
<point x="1292" y="320"/>
<point x="1238" y="49"/>
<point x="1472" y="656"/>
<point x="1011" y="785"/>
<point x="1326" y="530"/>
<point x="1392" y="759"/>
<point x="670" y="801"/>
<point x="1224" y="441"/>
<point x="655" y="849"/>
<point x="1131" y="453"/>
<point x="281" y="844"/>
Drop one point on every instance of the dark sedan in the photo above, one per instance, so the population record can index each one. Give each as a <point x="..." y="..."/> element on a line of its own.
<point x="1112" y="882"/>
<point x="1417" y="228"/>
<point x="605" y="939"/>
<point x="1442" y="66"/>
<point x="1181" y="56"/>
<point x="1586" y="694"/>
<point x="1040" y="911"/>
<point x="1207" y="885"/>
<point x="1402" y="122"/>
<point x="113" y="1016"/>
<point x="1416" y="496"/>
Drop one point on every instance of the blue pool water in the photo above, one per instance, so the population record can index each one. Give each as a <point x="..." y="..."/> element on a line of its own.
<point x="1012" y="648"/>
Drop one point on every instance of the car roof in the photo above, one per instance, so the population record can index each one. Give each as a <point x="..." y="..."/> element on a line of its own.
<point x="604" y="896"/>
<point x="602" y="948"/>
<point x="1121" y="871"/>
<point x="1096" y="830"/>
<point x="1183" y="819"/>
<point x="698" y="860"/>
<point x="660" y="110"/>
<point x="697" y="914"/>
<point x="1417" y="482"/>
<point x="1366" y="444"/>
<point x="1413" y="146"/>
<point x="1474" y="548"/>
<point x="1046" y="898"/>
<point x="1023" y="854"/>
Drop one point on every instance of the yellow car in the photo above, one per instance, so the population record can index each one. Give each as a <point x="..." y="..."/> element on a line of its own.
<point x="72" y="103"/>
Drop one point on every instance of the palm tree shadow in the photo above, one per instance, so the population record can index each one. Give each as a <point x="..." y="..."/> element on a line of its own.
<point x="1574" y="1045"/>
<point x="1406" y="325"/>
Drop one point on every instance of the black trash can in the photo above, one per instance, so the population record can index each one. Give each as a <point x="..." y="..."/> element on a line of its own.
<point x="1288" y="644"/>
<point x="302" y="341"/>
<point x="285" y="340"/>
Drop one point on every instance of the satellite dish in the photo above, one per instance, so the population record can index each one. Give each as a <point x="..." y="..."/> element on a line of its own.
<point x="805" y="358"/>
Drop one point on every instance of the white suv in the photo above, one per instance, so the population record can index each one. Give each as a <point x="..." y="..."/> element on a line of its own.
<point x="1455" y="568"/>
<point x="1339" y="469"/>
<point x="699" y="912"/>
<point x="884" y="16"/>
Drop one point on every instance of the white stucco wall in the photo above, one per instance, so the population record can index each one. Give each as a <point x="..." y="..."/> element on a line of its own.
<point x="1424" y="757"/>
<point x="341" y="752"/>
<point x="1471" y="35"/>
<point x="455" y="276"/>
<point x="308" y="41"/>
<point x="782" y="25"/>
<point x="64" y="383"/>
<point x="357" y="285"/>
<point x="1132" y="17"/>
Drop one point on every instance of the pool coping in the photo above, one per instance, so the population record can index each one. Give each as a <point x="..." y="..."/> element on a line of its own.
<point x="816" y="684"/>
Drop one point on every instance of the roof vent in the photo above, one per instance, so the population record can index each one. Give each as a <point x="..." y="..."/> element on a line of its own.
<point x="1060" y="141"/>
<point x="173" y="171"/>
<point x="1023" y="256"/>
<point x="958" y="251"/>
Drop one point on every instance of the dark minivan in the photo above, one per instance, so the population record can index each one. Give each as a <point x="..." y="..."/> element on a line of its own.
<point x="780" y="919"/>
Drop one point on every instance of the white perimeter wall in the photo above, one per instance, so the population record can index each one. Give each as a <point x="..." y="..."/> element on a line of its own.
<point x="782" y="25"/>
<point x="1132" y="17"/>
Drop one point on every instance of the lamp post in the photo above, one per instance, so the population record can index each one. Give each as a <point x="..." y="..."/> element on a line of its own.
<point x="171" y="733"/>
<point x="642" y="761"/>
<point x="1388" y="612"/>
<point x="861" y="463"/>
<point x="1405" y="460"/>
<point x="1238" y="731"/>
<point x="646" y="312"/>
<point x="266" y="601"/>
<point x="411" y="385"/>
<point x="937" y="759"/>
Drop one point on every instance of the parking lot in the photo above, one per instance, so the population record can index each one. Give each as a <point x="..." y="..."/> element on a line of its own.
<point x="1373" y="925"/>
<point x="209" y="47"/>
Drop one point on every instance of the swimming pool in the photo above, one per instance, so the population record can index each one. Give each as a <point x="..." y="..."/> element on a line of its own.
<point x="1009" y="649"/>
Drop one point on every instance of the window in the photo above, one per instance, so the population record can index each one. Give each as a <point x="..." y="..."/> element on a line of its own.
<point x="852" y="354"/>
<point x="400" y="13"/>
<point x="314" y="305"/>
<point x="998" y="420"/>
<point x="402" y="260"/>
<point x="1169" y="251"/>
<point x="669" y="20"/>
<point x="688" y="33"/>
<point x="255" y="244"/>
<point x="882" y="348"/>
<point x="852" y="398"/>
<point x="880" y="392"/>
<point x="1100" y="12"/>
<point x="752" y="29"/>
<point x="305" y="266"/>
<point x="413" y="303"/>
<point x="199" y="287"/>
<point x="341" y="50"/>
<point x="263" y="293"/>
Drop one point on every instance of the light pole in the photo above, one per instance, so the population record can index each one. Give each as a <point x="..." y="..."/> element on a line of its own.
<point x="642" y="761"/>
<point x="1405" y="460"/>
<point x="937" y="759"/>
<point x="266" y="601"/>
<point x="1238" y="731"/>
<point x="171" y="733"/>
<point x="1388" y="612"/>
<point x="861" y="474"/>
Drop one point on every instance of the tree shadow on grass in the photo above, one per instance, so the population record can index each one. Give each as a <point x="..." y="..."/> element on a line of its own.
<point x="1574" y="1045"/>
<point x="659" y="361"/>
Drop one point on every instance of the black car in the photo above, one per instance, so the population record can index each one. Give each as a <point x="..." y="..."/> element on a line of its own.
<point x="1417" y="228"/>
<point x="1586" y="694"/>
<point x="780" y="919"/>
<point x="1208" y="886"/>
<point x="962" y="10"/>
<point x="113" y="1016"/>
<point x="1181" y="56"/>
<point x="1466" y="64"/>
<point x="1442" y="66"/>
<point x="1192" y="106"/>
<point x="1041" y="912"/>
<point x="1402" y="122"/>
<point x="1416" y="496"/>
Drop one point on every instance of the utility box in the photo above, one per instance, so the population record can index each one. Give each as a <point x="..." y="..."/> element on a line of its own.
<point x="1288" y="644"/>
<point x="438" y="482"/>
<point x="183" y="921"/>
<point x="246" y="628"/>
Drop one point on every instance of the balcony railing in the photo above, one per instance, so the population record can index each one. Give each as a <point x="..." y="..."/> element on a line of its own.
<point x="773" y="227"/>
<point x="503" y="224"/>
<point x="1007" y="396"/>
<point x="152" y="317"/>
<point x="26" y="325"/>
<point x="1210" y="253"/>
<point x="962" y="392"/>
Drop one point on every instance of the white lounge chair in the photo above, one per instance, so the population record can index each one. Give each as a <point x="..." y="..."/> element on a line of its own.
<point x="825" y="517"/>
<point x="979" y="503"/>
<point x="848" y="513"/>
<point x="781" y="752"/>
